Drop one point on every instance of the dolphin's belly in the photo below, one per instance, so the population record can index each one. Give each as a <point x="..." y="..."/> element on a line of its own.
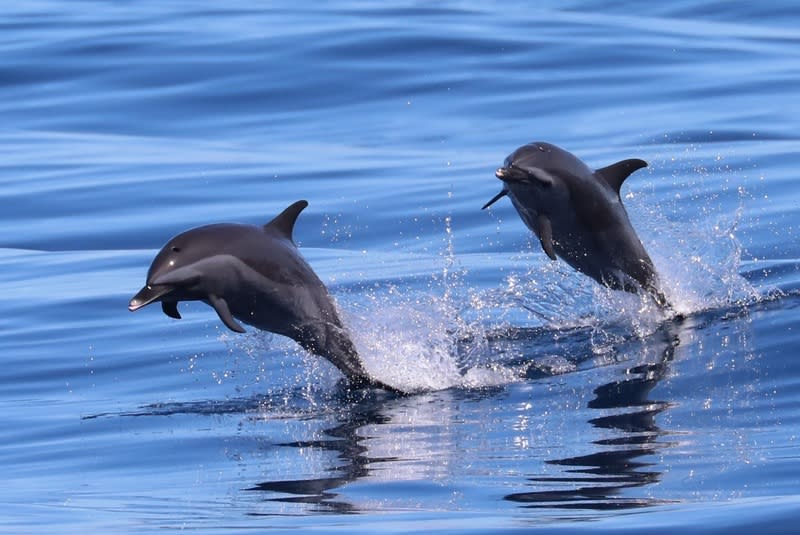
<point x="302" y="312"/>
<point x="258" y="311"/>
<point x="612" y="255"/>
<point x="272" y="311"/>
<point x="581" y="252"/>
<point x="571" y="242"/>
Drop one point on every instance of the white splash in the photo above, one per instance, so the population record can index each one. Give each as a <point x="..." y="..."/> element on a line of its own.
<point x="442" y="334"/>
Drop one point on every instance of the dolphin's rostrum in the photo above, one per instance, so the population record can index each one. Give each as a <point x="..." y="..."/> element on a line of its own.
<point x="257" y="276"/>
<point x="578" y="215"/>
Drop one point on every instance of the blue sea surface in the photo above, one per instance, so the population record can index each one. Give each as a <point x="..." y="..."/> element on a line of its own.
<point x="542" y="402"/>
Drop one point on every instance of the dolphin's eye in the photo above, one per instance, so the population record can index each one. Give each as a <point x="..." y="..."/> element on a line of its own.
<point x="176" y="249"/>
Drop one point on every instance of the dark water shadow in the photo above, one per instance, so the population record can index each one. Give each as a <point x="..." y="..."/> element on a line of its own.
<point x="207" y="407"/>
<point x="302" y="402"/>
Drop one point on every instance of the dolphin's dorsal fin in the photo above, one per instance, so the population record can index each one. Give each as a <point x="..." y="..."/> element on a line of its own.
<point x="283" y="223"/>
<point x="616" y="173"/>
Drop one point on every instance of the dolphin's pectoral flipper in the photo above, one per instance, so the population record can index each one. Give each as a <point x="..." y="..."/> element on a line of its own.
<point x="170" y="308"/>
<point x="616" y="173"/>
<point x="224" y="313"/>
<point x="546" y="235"/>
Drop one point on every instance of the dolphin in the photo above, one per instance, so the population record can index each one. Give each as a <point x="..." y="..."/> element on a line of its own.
<point x="578" y="215"/>
<point x="256" y="275"/>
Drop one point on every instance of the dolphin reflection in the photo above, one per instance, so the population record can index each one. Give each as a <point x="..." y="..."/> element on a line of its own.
<point x="345" y="441"/>
<point x="598" y="480"/>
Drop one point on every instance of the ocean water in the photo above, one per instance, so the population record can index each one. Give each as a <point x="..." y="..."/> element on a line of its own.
<point x="541" y="401"/>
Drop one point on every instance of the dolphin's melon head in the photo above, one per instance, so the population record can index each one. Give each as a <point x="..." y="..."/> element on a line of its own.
<point x="173" y="275"/>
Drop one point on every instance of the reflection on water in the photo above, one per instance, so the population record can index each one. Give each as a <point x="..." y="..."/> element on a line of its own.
<point x="598" y="478"/>
<point x="586" y="436"/>
<point x="593" y="481"/>
<point x="349" y="446"/>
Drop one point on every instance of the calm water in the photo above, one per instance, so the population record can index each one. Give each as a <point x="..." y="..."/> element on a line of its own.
<point x="543" y="401"/>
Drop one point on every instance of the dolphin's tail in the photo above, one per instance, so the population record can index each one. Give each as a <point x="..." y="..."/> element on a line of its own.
<point x="368" y="382"/>
<point x="652" y="288"/>
<point x="336" y="346"/>
<point x="349" y="362"/>
<point x="660" y="299"/>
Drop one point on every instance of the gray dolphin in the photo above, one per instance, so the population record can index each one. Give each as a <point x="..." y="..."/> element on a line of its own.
<point x="578" y="215"/>
<point x="256" y="275"/>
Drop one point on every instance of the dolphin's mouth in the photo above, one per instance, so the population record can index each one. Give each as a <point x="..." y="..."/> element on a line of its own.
<point x="148" y="294"/>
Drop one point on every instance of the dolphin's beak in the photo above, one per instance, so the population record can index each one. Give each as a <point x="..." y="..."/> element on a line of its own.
<point x="511" y="174"/>
<point x="504" y="174"/>
<point x="147" y="295"/>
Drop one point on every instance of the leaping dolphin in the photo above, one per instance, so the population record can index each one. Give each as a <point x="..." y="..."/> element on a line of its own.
<point x="256" y="275"/>
<point x="578" y="215"/>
